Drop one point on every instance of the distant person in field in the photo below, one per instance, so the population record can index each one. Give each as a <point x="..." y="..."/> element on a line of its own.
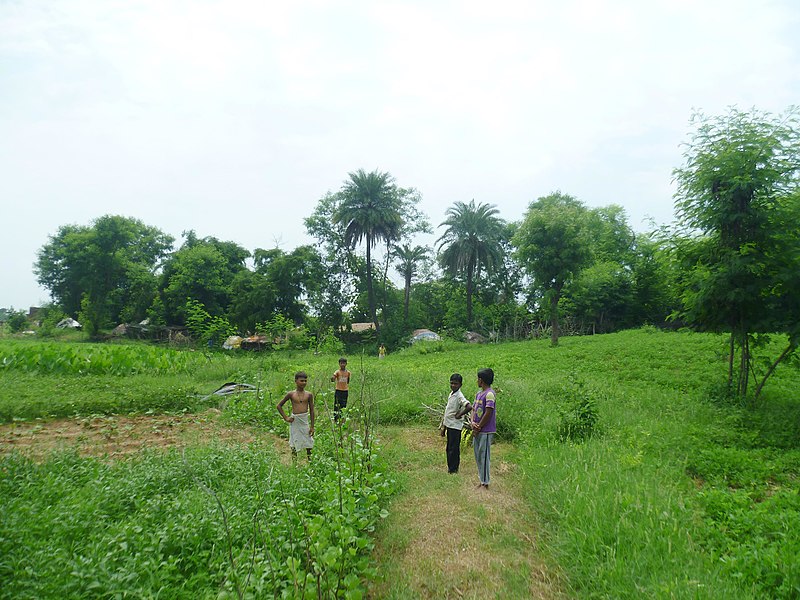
<point x="453" y="422"/>
<point x="484" y="425"/>
<point x="382" y="351"/>
<point x="342" y="379"/>
<point x="301" y="421"/>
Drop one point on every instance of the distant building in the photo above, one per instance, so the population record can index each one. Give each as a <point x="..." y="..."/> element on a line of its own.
<point x="359" y="327"/>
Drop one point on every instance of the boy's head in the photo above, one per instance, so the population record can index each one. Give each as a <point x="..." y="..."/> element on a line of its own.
<point x="486" y="376"/>
<point x="342" y="362"/>
<point x="455" y="381"/>
<point x="301" y="378"/>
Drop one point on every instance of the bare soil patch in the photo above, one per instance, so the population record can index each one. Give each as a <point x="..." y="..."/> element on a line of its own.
<point x="120" y="436"/>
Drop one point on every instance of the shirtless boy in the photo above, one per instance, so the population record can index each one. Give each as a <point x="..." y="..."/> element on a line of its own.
<point x="301" y="421"/>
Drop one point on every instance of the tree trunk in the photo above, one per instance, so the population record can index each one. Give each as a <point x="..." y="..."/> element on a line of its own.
<point x="470" y="270"/>
<point x="731" y="354"/>
<point x="370" y="290"/>
<point x="554" y="332"/>
<point x="385" y="277"/>
<point x="406" y="296"/>
<point x="787" y="351"/>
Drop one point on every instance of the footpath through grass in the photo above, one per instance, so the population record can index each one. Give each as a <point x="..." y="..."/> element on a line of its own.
<point x="446" y="539"/>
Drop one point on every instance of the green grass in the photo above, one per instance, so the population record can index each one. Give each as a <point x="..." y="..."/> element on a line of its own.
<point x="672" y="492"/>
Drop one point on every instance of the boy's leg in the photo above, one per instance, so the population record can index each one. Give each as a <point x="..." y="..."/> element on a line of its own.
<point x="339" y="402"/>
<point x="453" y="449"/>
<point x="482" y="444"/>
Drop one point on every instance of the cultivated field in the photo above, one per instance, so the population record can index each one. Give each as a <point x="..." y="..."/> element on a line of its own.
<point x="621" y="471"/>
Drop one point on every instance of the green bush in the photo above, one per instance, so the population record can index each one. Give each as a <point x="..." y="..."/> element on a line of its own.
<point x="577" y="410"/>
<point x="17" y="321"/>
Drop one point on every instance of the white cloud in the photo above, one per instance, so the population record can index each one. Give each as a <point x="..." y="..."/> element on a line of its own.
<point x="234" y="118"/>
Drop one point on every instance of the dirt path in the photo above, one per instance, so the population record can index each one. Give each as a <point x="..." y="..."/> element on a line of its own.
<point x="446" y="539"/>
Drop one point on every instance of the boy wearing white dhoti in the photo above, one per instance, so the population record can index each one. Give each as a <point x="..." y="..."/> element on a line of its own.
<point x="301" y="421"/>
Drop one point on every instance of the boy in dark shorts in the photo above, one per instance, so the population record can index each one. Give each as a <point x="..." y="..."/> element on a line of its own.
<point x="342" y="379"/>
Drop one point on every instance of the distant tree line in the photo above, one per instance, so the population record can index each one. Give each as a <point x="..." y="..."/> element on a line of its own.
<point x="730" y="264"/>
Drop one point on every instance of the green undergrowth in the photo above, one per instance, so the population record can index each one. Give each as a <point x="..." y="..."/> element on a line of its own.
<point x="216" y="522"/>
<point x="648" y="482"/>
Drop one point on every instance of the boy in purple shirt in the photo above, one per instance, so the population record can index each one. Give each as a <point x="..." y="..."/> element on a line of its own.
<point x="484" y="425"/>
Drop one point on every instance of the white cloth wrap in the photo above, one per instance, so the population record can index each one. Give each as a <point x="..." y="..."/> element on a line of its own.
<point x="299" y="436"/>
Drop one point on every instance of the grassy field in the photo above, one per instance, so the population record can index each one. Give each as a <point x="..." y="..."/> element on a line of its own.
<point x="641" y="479"/>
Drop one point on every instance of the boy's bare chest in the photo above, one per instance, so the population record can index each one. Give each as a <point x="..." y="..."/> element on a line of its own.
<point x="300" y="398"/>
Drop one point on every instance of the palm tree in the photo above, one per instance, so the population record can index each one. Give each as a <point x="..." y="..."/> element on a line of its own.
<point x="370" y="211"/>
<point x="470" y="242"/>
<point x="408" y="260"/>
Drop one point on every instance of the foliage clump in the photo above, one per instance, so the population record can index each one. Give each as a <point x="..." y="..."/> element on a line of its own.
<point x="578" y="412"/>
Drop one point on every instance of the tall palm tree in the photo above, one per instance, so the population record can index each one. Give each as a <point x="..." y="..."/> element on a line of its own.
<point x="408" y="260"/>
<point x="370" y="211"/>
<point x="470" y="242"/>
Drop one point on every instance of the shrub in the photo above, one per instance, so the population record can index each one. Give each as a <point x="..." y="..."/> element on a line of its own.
<point x="578" y="414"/>
<point x="17" y="321"/>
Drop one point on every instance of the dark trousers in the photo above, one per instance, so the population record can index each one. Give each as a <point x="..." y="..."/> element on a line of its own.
<point x="339" y="402"/>
<point x="453" y="450"/>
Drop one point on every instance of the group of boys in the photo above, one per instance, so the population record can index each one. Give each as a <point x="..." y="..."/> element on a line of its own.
<point x="482" y="422"/>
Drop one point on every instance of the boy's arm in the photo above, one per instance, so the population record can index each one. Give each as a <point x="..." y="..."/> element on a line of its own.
<point x="486" y="414"/>
<point x="280" y="404"/>
<point x="333" y="377"/>
<point x="311" y="413"/>
<point x="466" y="407"/>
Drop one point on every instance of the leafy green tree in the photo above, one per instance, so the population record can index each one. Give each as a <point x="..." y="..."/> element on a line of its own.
<point x="612" y="238"/>
<point x="655" y="277"/>
<point x="370" y="212"/>
<point x="738" y="201"/>
<point x="553" y="244"/>
<point x="601" y="296"/>
<point x="201" y="270"/>
<point x="294" y="276"/>
<point x="408" y="263"/>
<point x="428" y="305"/>
<point x="501" y="315"/>
<point x="471" y="242"/>
<point x="280" y="284"/>
<point x="336" y="288"/>
<point x="109" y="267"/>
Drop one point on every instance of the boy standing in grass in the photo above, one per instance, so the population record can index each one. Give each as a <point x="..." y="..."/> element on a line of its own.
<point x="301" y="421"/>
<point x="457" y="407"/>
<point x="342" y="379"/>
<point x="484" y="425"/>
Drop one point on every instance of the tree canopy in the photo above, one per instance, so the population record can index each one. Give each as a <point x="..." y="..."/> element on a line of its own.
<point x="737" y="200"/>
<point x="370" y="212"/>
<point x="105" y="270"/>
<point x="471" y="242"/>
<point x="553" y="245"/>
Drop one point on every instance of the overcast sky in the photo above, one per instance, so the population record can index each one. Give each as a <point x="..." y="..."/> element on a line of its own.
<point x="233" y="118"/>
